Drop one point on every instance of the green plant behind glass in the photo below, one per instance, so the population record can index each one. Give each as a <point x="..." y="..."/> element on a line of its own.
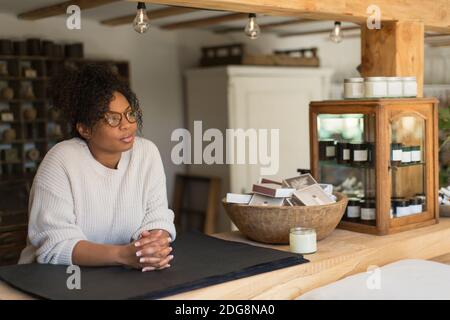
<point x="444" y="150"/>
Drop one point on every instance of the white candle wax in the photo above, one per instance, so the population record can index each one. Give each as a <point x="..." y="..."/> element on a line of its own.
<point x="303" y="240"/>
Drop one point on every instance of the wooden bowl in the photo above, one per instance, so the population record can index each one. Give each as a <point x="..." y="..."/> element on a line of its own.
<point x="271" y="224"/>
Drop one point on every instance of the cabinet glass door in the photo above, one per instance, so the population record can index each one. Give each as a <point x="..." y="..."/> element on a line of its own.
<point x="407" y="166"/>
<point x="347" y="161"/>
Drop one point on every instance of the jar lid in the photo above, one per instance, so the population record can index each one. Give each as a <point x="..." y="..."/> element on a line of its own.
<point x="402" y="203"/>
<point x="348" y="80"/>
<point x="395" y="144"/>
<point x="393" y="78"/>
<point x="368" y="204"/>
<point x="354" y="202"/>
<point x="302" y="231"/>
<point x="358" y="144"/>
<point x="409" y="78"/>
<point x="371" y="79"/>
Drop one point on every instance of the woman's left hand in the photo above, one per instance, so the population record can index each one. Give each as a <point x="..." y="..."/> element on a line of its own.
<point x="154" y="249"/>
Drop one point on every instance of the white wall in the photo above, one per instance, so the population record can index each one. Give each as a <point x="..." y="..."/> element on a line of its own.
<point x="155" y="73"/>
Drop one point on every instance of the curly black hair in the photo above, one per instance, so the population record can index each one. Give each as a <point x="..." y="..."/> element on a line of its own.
<point x="83" y="95"/>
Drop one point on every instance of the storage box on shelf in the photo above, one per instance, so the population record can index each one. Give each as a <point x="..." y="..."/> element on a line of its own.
<point x="29" y="127"/>
<point x="382" y="153"/>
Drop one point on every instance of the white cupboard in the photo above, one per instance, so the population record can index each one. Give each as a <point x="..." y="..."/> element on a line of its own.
<point x="253" y="97"/>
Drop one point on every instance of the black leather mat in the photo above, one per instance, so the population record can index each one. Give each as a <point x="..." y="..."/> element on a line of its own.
<point x="199" y="261"/>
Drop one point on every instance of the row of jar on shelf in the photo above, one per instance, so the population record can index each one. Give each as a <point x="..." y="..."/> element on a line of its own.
<point x="27" y="92"/>
<point x="365" y="208"/>
<point x="380" y="87"/>
<point x="363" y="153"/>
<point x="9" y="135"/>
<point x="29" y="114"/>
<point x="12" y="155"/>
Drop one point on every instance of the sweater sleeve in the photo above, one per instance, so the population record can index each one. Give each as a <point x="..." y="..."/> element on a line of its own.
<point x="157" y="213"/>
<point x="52" y="228"/>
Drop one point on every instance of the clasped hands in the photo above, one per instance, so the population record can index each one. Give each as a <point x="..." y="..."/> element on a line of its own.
<point x="150" y="252"/>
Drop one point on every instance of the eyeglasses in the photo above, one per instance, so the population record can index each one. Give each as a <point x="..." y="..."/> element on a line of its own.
<point x="115" y="118"/>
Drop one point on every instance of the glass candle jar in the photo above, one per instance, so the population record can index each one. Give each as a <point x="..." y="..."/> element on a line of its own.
<point x="359" y="153"/>
<point x="375" y="87"/>
<point x="396" y="154"/>
<point x="409" y="87"/>
<point x="416" y="155"/>
<point x="327" y="150"/>
<point x="394" y="87"/>
<point x="368" y="211"/>
<point x="303" y="240"/>
<point x="343" y="152"/>
<point x="406" y="155"/>
<point x="353" y="88"/>
<point x="354" y="208"/>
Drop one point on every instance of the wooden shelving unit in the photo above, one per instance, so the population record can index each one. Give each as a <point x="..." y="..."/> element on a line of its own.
<point x="30" y="134"/>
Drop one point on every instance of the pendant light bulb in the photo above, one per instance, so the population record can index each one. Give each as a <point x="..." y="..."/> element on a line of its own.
<point x="336" y="34"/>
<point x="141" y="22"/>
<point x="252" y="29"/>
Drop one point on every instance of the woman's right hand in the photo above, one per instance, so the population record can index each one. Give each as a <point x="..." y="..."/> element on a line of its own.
<point x="156" y="257"/>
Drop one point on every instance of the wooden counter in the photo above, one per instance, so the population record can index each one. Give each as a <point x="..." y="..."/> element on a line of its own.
<point x="341" y="254"/>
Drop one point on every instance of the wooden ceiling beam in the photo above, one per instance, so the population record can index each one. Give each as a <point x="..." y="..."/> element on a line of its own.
<point x="152" y="14"/>
<point x="60" y="8"/>
<point x="205" y="22"/>
<point x="435" y="14"/>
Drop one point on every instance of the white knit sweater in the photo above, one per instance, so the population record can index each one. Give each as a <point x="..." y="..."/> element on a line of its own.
<point x="74" y="197"/>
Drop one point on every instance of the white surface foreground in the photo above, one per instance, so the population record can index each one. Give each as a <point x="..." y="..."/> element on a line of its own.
<point x="405" y="279"/>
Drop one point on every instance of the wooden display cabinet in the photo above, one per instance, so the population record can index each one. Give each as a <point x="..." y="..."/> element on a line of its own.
<point x="399" y="187"/>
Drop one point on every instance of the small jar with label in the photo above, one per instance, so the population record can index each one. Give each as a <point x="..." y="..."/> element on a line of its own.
<point x="375" y="87"/>
<point x="415" y="205"/>
<point x="353" y="208"/>
<point x="409" y="87"/>
<point x="359" y="154"/>
<point x="406" y="155"/>
<point x="416" y="154"/>
<point x="343" y="152"/>
<point x="394" y="87"/>
<point x="353" y="88"/>
<point x="402" y="208"/>
<point x="327" y="150"/>
<point x="396" y="154"/>
<point x="368" y="211"/>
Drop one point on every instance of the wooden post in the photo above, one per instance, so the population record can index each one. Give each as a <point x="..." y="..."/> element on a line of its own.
<point x="397" y="49"/>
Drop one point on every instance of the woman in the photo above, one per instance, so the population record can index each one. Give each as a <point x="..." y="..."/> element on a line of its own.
<point x="99" y="199"/>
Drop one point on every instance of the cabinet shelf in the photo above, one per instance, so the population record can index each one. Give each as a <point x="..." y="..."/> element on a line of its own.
<point x="19" y="100"/>
<point x="12" y="78"/>
<point x="333" y="163"/>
